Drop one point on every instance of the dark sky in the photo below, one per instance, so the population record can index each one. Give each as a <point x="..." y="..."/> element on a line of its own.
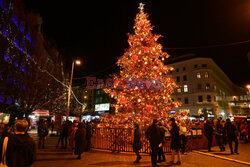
<point x="96" y="31"/>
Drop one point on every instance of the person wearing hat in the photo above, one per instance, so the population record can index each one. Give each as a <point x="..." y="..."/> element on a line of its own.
<point x="175" y="142"/>
<point x="153" y="135"/>
<point x="137" y="142"/>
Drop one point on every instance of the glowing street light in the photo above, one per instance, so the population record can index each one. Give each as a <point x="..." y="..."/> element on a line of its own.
<point x="248" y="87"/>
<point x="77" y="62"/>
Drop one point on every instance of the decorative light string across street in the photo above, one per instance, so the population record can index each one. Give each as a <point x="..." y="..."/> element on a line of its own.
<point x="28" y="57"/>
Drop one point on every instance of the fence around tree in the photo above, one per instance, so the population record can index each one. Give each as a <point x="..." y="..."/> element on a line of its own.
<point x="119" y="139"/>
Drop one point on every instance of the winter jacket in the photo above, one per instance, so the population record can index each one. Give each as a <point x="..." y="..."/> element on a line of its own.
<point x="137" y="140"/>
<point x="230" y="130"/>
<point x="80" y="140"/>
<point x="153" y="135"/>
<point x="208" y="130"/>
<point x="175" y="137"/>
<point x="20" y="151"/>
<point x="42" y="131"/>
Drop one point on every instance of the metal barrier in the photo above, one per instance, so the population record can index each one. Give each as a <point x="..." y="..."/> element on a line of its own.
<point x="119" y="140"/>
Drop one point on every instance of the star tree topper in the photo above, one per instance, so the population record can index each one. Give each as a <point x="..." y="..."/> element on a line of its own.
<point x="141" y="6"/>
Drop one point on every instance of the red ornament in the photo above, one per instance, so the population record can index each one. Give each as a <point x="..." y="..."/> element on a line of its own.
<point x="134" y="58"/>
<point x="149" y="108"/>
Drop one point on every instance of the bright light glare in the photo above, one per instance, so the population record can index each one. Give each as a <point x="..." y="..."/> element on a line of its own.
<point x="78" y="62"/>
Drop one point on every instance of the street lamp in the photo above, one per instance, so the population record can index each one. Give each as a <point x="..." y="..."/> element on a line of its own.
<point x="248" y="87"/>
<point x="78" y="62"/>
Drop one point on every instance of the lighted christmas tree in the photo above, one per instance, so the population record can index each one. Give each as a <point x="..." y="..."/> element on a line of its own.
<point x="143" y="87"/>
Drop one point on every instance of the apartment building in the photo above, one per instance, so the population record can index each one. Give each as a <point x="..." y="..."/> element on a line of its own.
<point x="204" y="87"/>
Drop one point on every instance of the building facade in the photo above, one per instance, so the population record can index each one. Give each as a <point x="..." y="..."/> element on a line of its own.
<point x="204" y="88"/>
<point x="17" y="45"/>
<point x="26" y="59"/>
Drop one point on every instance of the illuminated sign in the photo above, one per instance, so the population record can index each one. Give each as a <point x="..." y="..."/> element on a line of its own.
<point x="102" y="107"/>
<point x="172" y="112"/>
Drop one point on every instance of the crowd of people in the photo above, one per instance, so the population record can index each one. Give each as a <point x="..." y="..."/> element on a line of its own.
<point x="156" y="135"/>
<point x="77" y="134"/>
<point x="224" y="131"/>
<point x="18" y="147"/>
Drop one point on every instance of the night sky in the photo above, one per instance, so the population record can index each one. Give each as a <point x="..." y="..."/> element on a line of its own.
<point x="96" y="31"/>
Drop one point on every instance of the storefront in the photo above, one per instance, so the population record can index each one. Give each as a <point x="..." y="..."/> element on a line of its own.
<point x="37" y="115"/>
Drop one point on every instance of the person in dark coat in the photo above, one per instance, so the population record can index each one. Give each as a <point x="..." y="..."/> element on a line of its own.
<point x="42" y="133"/>
<point x="231" y="133"/>
<point x="175" y="142"/>
<point x="161" y="155"/>
<point x="208" y="132"/>
<point x="80" y="140"/>
<point x="137" y="142"/>
<point x="89" y="130"/>
<point x="65" y="135"/>
<point x="219" y="134"/>
<point x="52" y="126"/>
<point x="60" y="136"/>
<point x="153" y="135"/>
<point x="20" y="148"/>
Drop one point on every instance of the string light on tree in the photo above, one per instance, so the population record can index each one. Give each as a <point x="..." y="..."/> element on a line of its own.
<point x="143" y="59"/>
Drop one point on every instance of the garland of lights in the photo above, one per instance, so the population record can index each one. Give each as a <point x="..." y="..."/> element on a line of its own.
<point x="144" y="59"/>
<point x="28" y="57"/>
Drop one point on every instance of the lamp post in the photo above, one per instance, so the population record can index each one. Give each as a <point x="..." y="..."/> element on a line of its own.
<point x="78" y="62"/>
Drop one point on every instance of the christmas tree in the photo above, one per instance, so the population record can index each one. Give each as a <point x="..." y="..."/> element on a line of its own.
<point x="142" y="89"/>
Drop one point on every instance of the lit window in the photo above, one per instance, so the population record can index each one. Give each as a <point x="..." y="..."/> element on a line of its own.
<point x="214" y="87"/>
<point x="179" y="90"/>
<point x="207" y="86"/>
<point x="200" y="99"/>
<point x="198" y="75"/>
<point x="206" y="74"/>
<point x="185" y="88"/>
